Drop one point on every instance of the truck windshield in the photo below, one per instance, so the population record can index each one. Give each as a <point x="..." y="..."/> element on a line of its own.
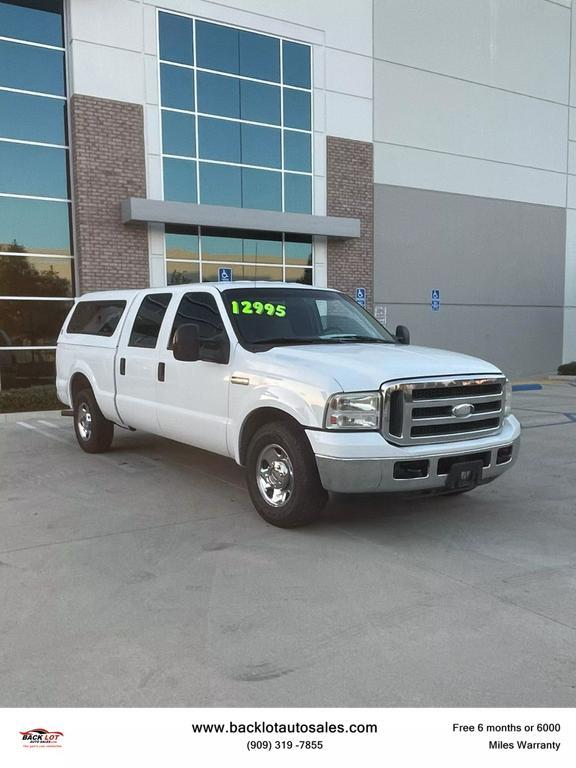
<point x="272" y="317"/>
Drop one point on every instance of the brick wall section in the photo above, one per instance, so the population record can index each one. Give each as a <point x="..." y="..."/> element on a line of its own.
<point x="108" y="165"/>
<point x="350" y="192"/>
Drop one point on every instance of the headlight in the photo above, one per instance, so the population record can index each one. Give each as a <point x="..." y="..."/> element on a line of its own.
<point x="354" y="410"/>
<point x="508" y="398"/>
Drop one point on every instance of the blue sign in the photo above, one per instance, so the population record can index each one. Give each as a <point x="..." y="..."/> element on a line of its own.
<point x="361" y="296"/>
<point x="224" y="275"/>
<point x="435" y="299"/>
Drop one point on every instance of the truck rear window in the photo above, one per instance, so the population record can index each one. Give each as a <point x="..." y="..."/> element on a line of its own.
<point x="96" y="318"/>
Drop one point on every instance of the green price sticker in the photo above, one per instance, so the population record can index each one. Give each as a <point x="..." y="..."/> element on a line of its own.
<point x="258" y="308"/>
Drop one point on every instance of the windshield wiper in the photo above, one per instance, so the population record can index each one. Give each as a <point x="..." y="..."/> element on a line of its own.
<point x="320" y="340"/>
<point x="357" y="338"/>
<point x="295" y="340"/>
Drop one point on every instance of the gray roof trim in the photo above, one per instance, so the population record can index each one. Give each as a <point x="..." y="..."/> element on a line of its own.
<point x="166" y="212"/>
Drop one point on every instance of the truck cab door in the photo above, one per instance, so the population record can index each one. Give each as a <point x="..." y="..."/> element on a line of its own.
<point x="193" y="397"/>
<point x="137" y="362"/>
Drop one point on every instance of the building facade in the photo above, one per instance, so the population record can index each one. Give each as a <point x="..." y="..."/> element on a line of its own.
<point x="422" y="152"/>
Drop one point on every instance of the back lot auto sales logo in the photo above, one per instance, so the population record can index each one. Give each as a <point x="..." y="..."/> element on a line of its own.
<point x="40" y="737"/>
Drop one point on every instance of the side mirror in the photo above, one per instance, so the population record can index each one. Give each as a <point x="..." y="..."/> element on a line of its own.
<point x="186" y="343"/>
<point x="402" y="334"/>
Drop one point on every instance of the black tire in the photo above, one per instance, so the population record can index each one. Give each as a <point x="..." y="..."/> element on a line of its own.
<point x="302" y="498"/>
<point x="93" y="432"/>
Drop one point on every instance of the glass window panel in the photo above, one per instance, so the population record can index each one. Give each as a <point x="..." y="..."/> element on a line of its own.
<point x="202" y="310"/>
<point x="178" y="134"/>
<point x="298" y="249"/>
<point x="297" y="193"/>
<point x="217" y="47"/>
<point x="296" y="64"/>
<point x="176" y="38"/>
<point x="148" y="320"/>
<point x="178" y="272"/>
<point x="31" y="69"/>
<point x="35" y="276"/>
<point x="294" y="275"/>
<point x="32" y="118"/>
<point x="218" y="95"/>
<point x="179" y="180"/>
<point x="235" y="245"/>
<point x="263" y="250"/>
<point x="96" y="318"/>
<point x="220" y="184"/>
<point x="37" y="22"/>
<point x="259" y="56"/>
<point x="31" y="323"/>
<point x="181" y="245"/>
<point x="261" y="146"/>
<point x="259" y="102"/>
<point x="296" y="109"/>
<point x="210" y="271"/>
<point x="297" y="151"/>
<point x="261" y="189"/>
<point x="264" y="273"/>
<point x="32" y="170"/>
<point x="221" y="248"/>
<point x="242" y="272"/>
<point x="219" y="139"/>
<point x="27" y="368"/>
<point x="34" y="226"/>
<point x="177" y="87"/>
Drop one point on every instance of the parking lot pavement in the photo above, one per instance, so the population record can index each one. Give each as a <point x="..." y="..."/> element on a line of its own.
<point x="144" y="577"/>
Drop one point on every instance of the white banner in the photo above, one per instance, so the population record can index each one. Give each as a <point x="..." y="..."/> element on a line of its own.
<point x="286" y="737"/>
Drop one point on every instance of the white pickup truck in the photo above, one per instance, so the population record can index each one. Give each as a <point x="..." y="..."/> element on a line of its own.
<point x="298" y="384"/>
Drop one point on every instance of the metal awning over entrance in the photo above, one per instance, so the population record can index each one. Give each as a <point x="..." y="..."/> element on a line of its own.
<point x="139" y="209"/>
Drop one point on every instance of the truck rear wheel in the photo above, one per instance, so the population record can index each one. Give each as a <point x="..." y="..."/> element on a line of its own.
<point x="282" y="477"/>
<point x="93" y="432"/>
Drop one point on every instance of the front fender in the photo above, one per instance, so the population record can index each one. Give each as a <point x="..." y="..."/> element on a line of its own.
<point x="302" y="403"/>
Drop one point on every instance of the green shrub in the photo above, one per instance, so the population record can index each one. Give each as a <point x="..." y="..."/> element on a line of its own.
<point x="568" y="369"/>
<point x="41" y="398"/>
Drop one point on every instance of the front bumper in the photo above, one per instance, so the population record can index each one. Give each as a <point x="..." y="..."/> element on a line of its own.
<point x="343" y="468"/>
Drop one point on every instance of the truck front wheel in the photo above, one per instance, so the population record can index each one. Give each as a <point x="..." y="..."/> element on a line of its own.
<point x="93" y="432"/>
<point x="282" y="476"/>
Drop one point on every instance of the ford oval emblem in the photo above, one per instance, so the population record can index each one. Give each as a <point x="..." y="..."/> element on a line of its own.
<point x="462" y="411"/>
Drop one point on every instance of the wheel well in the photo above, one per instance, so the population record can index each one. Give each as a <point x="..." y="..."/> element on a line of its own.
<point x="78" y="383"/>
<point x="257" y="419"/>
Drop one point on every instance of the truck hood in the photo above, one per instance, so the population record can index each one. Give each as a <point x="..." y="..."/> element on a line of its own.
<point x="361" y="367"/>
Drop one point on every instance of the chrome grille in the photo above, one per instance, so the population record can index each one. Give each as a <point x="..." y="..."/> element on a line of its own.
<point x="423" y="411"/>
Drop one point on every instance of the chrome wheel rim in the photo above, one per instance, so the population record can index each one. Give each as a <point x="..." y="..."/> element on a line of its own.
<point x="84" y="421"/>
<point x="275" y="475"/>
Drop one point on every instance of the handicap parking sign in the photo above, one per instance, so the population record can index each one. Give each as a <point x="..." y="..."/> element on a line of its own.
<point x="435" y="299"/>
<point x="361" y="296"/>
<point x="224" y="275"/>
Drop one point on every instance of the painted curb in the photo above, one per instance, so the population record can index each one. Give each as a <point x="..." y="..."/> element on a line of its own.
<point x="526" y="387"/>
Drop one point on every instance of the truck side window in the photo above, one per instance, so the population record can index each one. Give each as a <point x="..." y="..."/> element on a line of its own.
<point x="149" y="320"/>
<point x="201" y="310"/>
<point x="96" y="318"/>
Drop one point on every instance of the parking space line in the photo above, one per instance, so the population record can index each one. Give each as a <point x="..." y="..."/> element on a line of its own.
<point x="541" y="410"/>
<point x="551" y="424"/>
<point x="48" y="424"/>
<point x="122" y="462"/>
<point x="49" y="435"/>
